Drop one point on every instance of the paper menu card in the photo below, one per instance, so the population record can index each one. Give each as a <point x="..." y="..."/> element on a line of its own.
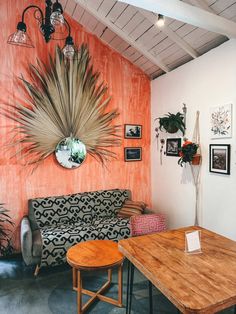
<point x="193" y="243"/>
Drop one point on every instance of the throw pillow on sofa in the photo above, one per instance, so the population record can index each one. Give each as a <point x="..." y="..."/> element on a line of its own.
<point x="131" y="208"/>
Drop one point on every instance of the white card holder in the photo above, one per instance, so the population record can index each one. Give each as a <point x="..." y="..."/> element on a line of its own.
<point x="193" y="242"/>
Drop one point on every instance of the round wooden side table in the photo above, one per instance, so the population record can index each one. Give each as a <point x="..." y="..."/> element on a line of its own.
<point x="90" y="256"/>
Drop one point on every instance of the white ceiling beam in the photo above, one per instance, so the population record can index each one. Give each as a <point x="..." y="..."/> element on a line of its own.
<point x="188" y="14"/>
<point x="104" y="20"/>
<point x="202" y="4"/>
<point x="170" y="33"/>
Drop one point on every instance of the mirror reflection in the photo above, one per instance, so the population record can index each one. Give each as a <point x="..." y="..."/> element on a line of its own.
<point x="70" y="152"/>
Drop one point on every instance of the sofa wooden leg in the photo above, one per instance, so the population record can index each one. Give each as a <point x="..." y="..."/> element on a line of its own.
<point x="36" y="270"/>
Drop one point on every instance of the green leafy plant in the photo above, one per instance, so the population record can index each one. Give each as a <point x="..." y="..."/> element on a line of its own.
<point x="5" y="239"/>
<point x="171" y="123"/>
<point x="187" y="152"/>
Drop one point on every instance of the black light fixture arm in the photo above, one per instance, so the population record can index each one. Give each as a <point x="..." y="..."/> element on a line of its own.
<point x="69" y="39"/>
<point x="69" y="28"/>
<point x="29" y="7"/>
<point x="48" y="10"/>
<point x="21" y="26"/>
<point x="46" y="27"/>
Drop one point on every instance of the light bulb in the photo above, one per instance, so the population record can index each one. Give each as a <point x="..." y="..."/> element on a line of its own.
<point x="160" y="20"/>
<point x="69" y="51"/>
<point x="57" y="18"/>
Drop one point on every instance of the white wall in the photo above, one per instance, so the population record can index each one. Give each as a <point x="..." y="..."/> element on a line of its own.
<point x="205" y="82"/>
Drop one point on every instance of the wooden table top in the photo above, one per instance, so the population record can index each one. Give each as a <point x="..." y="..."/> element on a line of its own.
<point x="94" y="254"/>
<point x="195" y="283"/>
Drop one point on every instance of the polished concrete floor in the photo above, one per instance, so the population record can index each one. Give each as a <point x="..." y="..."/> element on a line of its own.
<point x="51" y="292"/>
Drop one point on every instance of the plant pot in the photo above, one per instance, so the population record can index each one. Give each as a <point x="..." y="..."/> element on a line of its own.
<point x="196" y="160"/>
<point x="171" y="129"/>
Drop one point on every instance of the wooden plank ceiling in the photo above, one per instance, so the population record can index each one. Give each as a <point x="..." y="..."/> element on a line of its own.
<point x="134" y="34"/>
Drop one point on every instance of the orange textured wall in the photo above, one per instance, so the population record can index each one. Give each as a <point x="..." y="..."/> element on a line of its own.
<point x="130" y="90"/>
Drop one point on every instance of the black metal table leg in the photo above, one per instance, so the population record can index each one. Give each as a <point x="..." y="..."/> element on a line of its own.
<point x="150" y="298"/>
<point x="128" y="287"/>
<point x="131" y="287"/>
<point x="130" y="280"/>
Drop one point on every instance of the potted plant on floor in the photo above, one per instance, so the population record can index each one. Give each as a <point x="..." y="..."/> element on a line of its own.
<point x="188" y="153"/>
<point x="172" y="123"/>
<point x="5" y="239"/>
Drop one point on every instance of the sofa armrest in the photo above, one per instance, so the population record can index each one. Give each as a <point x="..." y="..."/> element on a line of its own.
<point x="26" y="240"/>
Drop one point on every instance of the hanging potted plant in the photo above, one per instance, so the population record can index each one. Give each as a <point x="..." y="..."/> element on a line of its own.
<point x="172" y="123"/>
<point x="5" y="239"/>
<point x="188" y="153"/>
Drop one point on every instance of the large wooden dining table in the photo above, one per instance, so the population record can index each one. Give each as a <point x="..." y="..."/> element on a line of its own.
<point x="194" y="283"/>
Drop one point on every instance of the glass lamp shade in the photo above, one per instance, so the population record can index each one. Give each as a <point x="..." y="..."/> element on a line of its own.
<point x="20" y="38"/>
<point x="57" y="19"/>
<point x="69" y="51"/>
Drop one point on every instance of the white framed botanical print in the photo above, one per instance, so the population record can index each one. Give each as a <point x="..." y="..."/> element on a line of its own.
<point x="221" y="121"/>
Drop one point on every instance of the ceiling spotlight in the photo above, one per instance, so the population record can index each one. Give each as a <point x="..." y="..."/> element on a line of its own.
<point x="160" y="20"/>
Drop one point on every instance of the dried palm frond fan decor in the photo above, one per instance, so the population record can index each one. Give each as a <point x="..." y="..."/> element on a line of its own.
<point x="66" y="113"/>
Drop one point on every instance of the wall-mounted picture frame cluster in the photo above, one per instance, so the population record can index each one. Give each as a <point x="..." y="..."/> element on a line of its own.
<point x="132" y="131"/>
<point x="219" y="158"/>
<point x="221" y="127"/>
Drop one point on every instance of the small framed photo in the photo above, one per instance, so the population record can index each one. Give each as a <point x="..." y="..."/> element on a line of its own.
<point x="173" y="146"/>
<point x="133" y="131"/>
<point x="220" y="158"/>
<point x="133" y="153"/>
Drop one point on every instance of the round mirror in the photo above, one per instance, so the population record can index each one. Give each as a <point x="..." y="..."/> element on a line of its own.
<point x="70" y="152"/>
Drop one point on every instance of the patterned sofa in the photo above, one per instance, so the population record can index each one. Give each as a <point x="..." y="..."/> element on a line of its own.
<point x="56" y="223"/>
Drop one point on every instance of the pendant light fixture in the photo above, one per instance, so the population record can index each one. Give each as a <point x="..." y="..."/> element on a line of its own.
<point x="52" y="25"/>
<point x="57" y="17"/>
<point x="69" y="48"/>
